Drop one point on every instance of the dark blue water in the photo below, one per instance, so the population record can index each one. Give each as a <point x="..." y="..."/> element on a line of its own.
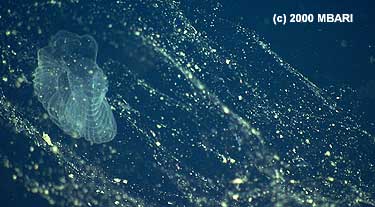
<point x="333" y="56"/>
<point x="328" y="54"/>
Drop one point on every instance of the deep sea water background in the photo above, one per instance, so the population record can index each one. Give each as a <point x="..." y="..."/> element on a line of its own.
<point x="337" y="57"/>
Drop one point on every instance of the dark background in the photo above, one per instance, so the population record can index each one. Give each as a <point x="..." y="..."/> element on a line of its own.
<point x="335" y="56"/>
<point x="332" y="55"/>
